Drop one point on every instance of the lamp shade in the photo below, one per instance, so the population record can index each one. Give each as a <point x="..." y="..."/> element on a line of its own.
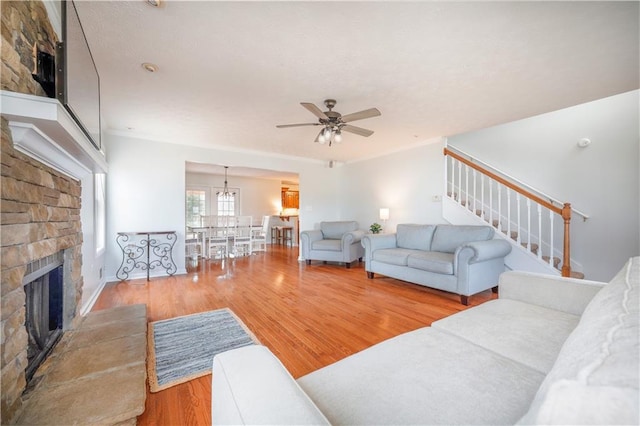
<point x="384" y="213"/>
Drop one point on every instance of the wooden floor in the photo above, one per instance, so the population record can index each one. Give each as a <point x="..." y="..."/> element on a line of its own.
<point x="309" y="316"/>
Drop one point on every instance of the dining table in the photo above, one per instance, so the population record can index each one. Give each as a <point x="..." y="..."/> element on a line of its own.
<point x="201" y="233"/>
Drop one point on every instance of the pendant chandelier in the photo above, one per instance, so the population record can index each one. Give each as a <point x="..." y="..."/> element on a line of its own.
<point x="225" y="192"/>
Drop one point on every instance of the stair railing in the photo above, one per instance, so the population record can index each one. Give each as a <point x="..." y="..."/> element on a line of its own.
<point x="461" y="168"/>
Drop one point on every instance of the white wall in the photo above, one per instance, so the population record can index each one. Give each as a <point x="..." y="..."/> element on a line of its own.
<point x="601" y="180"/>
<point x="405" y="182"/>
<point x="93" y="278"/>
<point x="258" y="197"/>
<point x="146" y="188"/>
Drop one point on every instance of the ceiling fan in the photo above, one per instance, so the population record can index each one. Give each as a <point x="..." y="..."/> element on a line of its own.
<point x="333" y="123"/>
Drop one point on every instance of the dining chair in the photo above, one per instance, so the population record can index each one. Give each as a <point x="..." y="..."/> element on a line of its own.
<point x="242" y="236"/>
<point x="218" y="237"/>
<point x="259" y="240"/>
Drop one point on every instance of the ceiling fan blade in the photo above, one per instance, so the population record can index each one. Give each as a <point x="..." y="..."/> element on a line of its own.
<point x="282" y="126"/>
<point x="314" y="110"/>
<point x="360" y="115"/>
<point x="357" y="130"/>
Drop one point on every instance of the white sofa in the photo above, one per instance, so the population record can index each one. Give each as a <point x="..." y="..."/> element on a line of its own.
<point x="549" y="350"/>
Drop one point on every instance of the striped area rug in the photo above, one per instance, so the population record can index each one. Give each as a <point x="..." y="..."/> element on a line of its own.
<point x="182" y="348"/>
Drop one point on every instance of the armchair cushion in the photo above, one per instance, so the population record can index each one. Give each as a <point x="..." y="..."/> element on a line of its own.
<point x="417" y="237"/>
<point x="447" y="238"/>
<point x="333" y="245"/>
<point x="434" y="261"/>
<point x="335" y="230"/>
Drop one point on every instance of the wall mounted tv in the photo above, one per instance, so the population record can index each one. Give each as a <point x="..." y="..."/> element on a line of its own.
<point x="77" y="80"/>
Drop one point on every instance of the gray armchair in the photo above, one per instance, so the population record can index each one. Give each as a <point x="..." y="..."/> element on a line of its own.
<point x="333" y="242"/>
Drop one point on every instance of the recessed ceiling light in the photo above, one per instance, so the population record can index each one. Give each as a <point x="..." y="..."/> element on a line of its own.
<point x="149" y="66"/>
<point x="154" y="3"/>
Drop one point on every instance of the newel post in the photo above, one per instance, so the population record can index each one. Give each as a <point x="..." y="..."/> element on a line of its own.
<point x="566" y="255"/>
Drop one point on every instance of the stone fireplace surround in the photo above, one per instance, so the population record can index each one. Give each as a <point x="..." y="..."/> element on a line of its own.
<point x="44" y="156"/>
<point x="40" y="217"/>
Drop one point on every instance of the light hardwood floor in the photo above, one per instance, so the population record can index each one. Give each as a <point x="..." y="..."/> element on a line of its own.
<point x="309" y="316"/>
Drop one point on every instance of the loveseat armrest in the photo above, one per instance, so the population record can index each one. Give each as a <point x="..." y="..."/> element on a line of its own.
<point x="569" y="295"/>
<point x="251" y="386"/>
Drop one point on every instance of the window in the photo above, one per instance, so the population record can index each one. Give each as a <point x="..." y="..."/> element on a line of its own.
<point x="99" y="181"/>
<point x="226" y="204"/>
<point x="196" y="206"/>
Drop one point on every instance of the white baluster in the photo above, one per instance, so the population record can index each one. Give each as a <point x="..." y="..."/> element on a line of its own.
<point x="460" y="183"/>
<point x="499" y="207"/>
<point x="508" y="213"/>
<point x="550" y="238"/>
<point x="482" y="196"/>
<point x="539" y="231"/>
<point x="519" y="228"/>
<point x="529" y="224"/>
<point x="491" y="201"/>
<point x="466" y="172"/>
<point x="475" y="196"/>
<point x="452" y="170"/>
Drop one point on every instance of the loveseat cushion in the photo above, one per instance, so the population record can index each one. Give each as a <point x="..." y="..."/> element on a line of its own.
<point x="393" y="256"/>
<point x="432" y="261"/>
<point x="416" y="237"/>
<point x="331" y="245"/>
<point x="595" y="378"/>
<point x="335" y="230"/>
<point x="447" y="238"/>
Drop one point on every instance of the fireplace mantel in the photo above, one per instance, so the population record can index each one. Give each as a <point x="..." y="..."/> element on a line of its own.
<point x="43" y="129"/>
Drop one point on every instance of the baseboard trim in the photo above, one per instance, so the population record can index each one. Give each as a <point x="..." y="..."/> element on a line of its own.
<point x="92" y="300"/>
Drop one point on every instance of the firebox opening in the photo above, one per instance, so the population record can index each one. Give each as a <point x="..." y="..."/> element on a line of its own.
<point x="43" y="287"/>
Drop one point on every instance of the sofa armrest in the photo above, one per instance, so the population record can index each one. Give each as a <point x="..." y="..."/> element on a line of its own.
<point x="307" y="238"/>
<point x="373" y="242"/>
<point x="352" y="237"/>
<point x="251" y="386"/>
<point x="484" y="250"/>
<point x="563" y="294"/>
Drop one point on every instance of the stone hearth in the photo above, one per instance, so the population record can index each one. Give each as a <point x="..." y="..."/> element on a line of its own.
<point x="95" y="375"/>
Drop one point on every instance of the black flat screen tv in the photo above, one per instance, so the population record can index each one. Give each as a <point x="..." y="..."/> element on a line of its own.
<point x="77" y="80"/>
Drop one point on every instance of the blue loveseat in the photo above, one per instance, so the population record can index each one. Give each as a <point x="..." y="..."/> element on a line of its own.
<point x="464" y="260"/>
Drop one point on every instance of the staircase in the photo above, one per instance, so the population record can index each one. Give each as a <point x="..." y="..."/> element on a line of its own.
<point x="537" y="225"/>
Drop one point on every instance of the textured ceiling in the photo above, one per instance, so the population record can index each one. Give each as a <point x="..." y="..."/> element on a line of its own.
<point x="230" y="71"/>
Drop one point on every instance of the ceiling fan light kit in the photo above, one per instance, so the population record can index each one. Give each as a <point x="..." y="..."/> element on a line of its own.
<point x="334" y="123"/>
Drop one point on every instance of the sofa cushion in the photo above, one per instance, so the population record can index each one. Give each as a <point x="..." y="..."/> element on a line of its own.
<point x="331" y="245"/>
<point x="598" y="362"/>
<point x="334" y="230"/>
<point x="529" y="334"/>
<point x="447" y="238"/>
<point x="418" y="378"/>
<point x="393" y="256"/>
<point x="417" y="237"/>
<point x="432" y="261"/>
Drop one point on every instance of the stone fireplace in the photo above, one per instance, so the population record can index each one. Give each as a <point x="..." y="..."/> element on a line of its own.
<point x="44" y="308"/>
<point x="40" y="218"/>
<point x="40" y="202"/>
